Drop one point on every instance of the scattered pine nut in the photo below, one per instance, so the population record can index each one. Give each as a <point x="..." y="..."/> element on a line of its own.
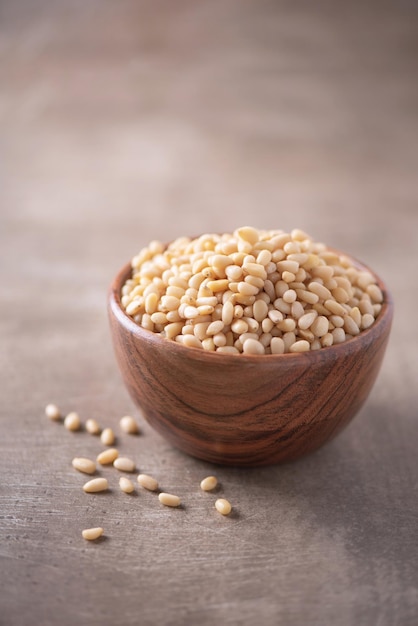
<point x="93" y="427"/>
<point x="84" y="465"/>
<point x="168" y="499"/>
<point x="107" y="456"/>
<point x="129" y="425"/>
<point x="209" y="483"/>
<point x="107" y="437"/>
<point x="95" y="485"/>
<point x="92" y="533"/>
<point x="124" y="464"/>
<point x="148" y="482"/>
<point x="223" y="506"/>
<point x="72" y="421"/>
<point x="53" y="412"/>
<point x="126" y="485"/>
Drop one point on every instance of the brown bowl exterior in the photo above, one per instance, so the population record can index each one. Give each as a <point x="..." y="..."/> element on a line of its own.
<point x="246" y="410"/>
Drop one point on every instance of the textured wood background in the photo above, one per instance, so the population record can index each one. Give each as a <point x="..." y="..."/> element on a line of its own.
<point x="124" y="122"/>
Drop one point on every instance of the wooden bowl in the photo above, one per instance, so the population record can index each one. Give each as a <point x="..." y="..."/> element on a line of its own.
<point x="246" y="410"/>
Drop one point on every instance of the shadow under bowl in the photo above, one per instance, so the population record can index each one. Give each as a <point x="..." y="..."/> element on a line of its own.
<point x="246" y="410"/>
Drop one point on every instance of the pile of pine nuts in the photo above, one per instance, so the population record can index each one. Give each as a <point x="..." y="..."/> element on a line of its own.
<point x="110" y="456"/>
<point x="251" y="292"/>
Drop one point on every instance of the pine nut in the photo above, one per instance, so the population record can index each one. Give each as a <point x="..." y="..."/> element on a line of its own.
<point x="249" y="234"/>
<point x="307" y="319"/>
<point x="215" y="327"/>
<point x="129" y="425"/>
<point x="288" y="266"/>
<point x="335" y="307"/>
<point x="247" y="289"/>
<point x="95" y="485"/>
<point x="277" y="345"/>
<point x="191" y="341"/>
<point x="367" y="320"/>
<point x="223" y="506"/>
<point x="320" y="290"/>
<point x="107" y="437"/>
<point x="147" y="482"/>
<point x="72" y="421"/>
<point x="260" y="310"/>
<point x="289" y="296"/>
<point x="227" y="350"/>
<point x="209" y="291"/>
<point x="92" y="533"/>
<point x="169" y="499"/>
<point x="126" y="485"/>
<point x="327" y="340"/>
<point x="123" y="464"/>
<point x="253" y="346"/>
<point x="209" y="483"/>
<point x="93" y="427"/>
<point x="375" y="294"/>
<point x="338" y="335"/>
<point x="305" y="296"/>
<point x="340" y="295"/>
<point x="53" y="412"/>
<point x="84" y="465"/>
<point x="350" y="326"/>
<point x="107" y="456"/>
<point x="320" y="326"/>
<point x="299" y="346"/>
<point x="264" y="257"/>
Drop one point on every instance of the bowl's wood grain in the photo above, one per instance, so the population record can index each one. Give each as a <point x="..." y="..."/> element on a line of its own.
<point x="246" y="410"/>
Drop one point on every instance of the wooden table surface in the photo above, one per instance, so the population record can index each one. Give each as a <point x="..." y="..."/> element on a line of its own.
<point x="130" y="121"/>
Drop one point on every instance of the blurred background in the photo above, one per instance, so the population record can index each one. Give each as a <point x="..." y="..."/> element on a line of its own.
<point x="126" y="120"/>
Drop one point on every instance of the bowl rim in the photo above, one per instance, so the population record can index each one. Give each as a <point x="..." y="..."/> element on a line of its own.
<point x="114" y="302"/>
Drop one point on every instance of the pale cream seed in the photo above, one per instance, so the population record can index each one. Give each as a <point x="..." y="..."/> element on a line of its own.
<point x="215" y="327"/>
<point x="123" y="464"/>
<point x="147" y="482"/>
<point x="96" y="485"/>
<point x="223" y="506"/>
<point x="168" y="499"/>
<point x="126" y="485"/>
<point x="209" y="483"/>
<point x="227" y="350"/>
<point x="248" y="234"/>
<point x="289" y="296"/>
<point x="129" y="425"/>
<point x="53" y="412"/>
<point x="367" y="320"/>
<point x="375" y="293"/>
<point x="191" y="341"/>
<point x="92" y="533"/>
<point x="277" y="345"/>
<point x="307" y="319"/>
<point x="72" y="421"/>
<point x="87" y="466"/>
<point x="327" y="340"/>
<point x="93" y="427"/>
<point x="253" y="346"/>
<point x="338" y="335"/>
<point x="320" y="290"/>
<point x="107" y="437"/>
<point x="107" y="456"/>
<point x="350" y="326"/>
<point x="300" y="346"/>
<point x="320" y="326"/>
